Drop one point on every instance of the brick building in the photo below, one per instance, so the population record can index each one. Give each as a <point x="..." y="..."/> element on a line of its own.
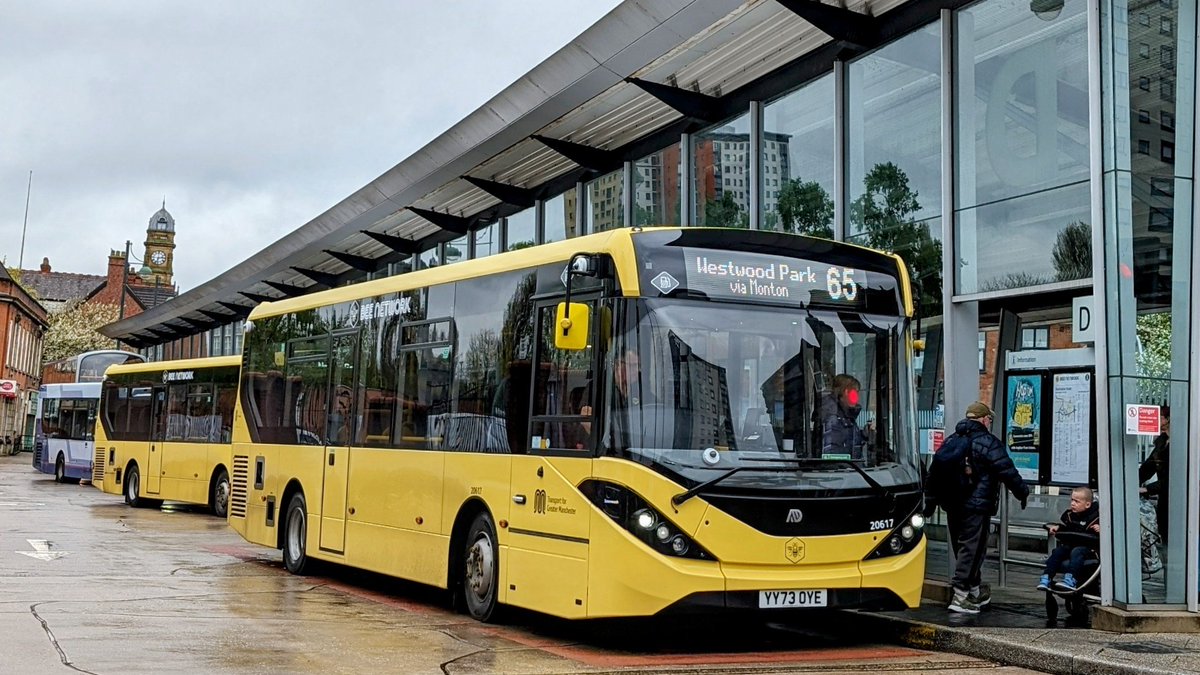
<point x="24" y="323"/>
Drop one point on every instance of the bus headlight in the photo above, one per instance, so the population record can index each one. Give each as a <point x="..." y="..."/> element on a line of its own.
<point x="636" y="516"/>
<point x="644" y="519"/>
<point x="901" y="539"/>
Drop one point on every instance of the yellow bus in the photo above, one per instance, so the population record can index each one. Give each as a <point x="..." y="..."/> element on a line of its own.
<point x="623" y="424"/>
<point x="163" y="432"/>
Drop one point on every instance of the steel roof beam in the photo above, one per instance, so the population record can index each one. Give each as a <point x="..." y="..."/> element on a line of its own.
<point x="509" y="194"/>
<point x="358" y="262"/>
<point x="601" y="161"/>
<point x="688" y="103"/>
<point x="287" y="289"/>
<point x="200" y="324"/>
<point x="852" y="29"/>
<point x="323" y="278"/>
<point x="256" y="297"/>
<point x="239" y="311"/>
<point x="221" y="319"/>
<point x="397" y="244"/>
<point x="456" y="224"/>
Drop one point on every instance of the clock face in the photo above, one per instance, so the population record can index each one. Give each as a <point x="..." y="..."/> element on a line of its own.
<point x="158" y="257"/>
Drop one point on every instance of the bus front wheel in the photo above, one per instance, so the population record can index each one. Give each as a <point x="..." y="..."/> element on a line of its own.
<point x="295" y="532"/>
<point x="220" y="495"/>
<point x="481" y="566"/>
<point x="60" y="470"/>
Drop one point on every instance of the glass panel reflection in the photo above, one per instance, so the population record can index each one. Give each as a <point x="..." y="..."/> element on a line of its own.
<point x="1021" y="96"/>
<point x="798" y="161"/>
<point x="656" y="188"/>
<point x="722" y="168"/>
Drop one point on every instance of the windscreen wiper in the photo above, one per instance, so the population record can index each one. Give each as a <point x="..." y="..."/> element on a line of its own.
<point x="875" y="485"/>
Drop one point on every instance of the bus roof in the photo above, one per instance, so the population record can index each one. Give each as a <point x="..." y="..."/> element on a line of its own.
<point x="617" y="243"/>
<point x="156" y="366"/>
<point x="71" y="390"/>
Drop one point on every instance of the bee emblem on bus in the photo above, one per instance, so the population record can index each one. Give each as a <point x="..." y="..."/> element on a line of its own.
<point x="793" y="550"/>
<point x="539" y="501"/>
<point x="794" y="516"/>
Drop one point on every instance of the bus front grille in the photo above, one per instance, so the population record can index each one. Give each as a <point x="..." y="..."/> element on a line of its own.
<point x="37" y="454"/>
<point x="239" y="486"/>
<point x="98" y="466"/>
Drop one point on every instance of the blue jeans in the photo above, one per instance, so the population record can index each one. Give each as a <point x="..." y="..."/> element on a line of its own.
<point x="1063" y="552"/>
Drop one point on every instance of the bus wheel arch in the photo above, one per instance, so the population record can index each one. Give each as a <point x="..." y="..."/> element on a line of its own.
<point x="131" y="486"/>
<point x="60" y="469"/>
<point x="218" y="491"/>
<point x="474" y="570"/>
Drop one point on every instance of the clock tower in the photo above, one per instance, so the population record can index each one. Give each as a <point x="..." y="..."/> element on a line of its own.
<point x="160" y="246"/>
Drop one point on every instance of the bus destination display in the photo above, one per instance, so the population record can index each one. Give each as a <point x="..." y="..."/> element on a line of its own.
<point x="738" y="275"/>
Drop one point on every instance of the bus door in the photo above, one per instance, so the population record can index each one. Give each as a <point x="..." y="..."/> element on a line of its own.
<point x="548" y="551"/>
<point x="158" y="432"/>
<point x="339" y="429"/>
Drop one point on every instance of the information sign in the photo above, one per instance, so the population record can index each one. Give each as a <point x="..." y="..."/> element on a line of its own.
<point x="1071" y="429"/>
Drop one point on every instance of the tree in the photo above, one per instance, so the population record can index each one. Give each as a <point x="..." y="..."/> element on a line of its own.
<point x="1073" y="252"/>
<point x="805" y="208"/>
<point x="74" y="328"/>
<point x="1011" y="280"/>
<point x="725" y="212"/>
<point x="884" y="214"/>
<point x="1154" y="356"/>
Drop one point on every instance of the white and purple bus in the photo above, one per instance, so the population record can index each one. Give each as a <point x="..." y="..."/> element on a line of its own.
<point x="64" y="428"/>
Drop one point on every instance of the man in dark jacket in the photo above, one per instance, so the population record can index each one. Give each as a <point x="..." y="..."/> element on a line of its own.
<point x="968" y="517"/>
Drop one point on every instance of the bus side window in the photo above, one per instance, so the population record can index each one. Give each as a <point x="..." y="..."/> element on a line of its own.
<point x="562" y="388"/>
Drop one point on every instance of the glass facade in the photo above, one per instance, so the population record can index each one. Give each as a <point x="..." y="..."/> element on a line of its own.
<point x="721" y="158"/>
<point x="894" y="155"/>
<point x="522" y="230"/>
<point x="797" y="164"/>
<point x="559" y="217"/>
<point x="1021" y="190"/>
<point x="604" y="207"/>
<point x="487" y="241"/>
<point x="656" y="188"/>
<point x="1148" y="75"/>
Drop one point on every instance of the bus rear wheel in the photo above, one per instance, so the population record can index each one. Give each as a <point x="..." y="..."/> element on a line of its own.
<point x="220" y="495"/>
<point x="481" y="567"/>
<point x="60" y="470"/>
<point x="295" y="531"/>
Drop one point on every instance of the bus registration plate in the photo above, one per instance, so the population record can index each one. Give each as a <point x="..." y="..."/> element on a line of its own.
<point x="793" y="598"/>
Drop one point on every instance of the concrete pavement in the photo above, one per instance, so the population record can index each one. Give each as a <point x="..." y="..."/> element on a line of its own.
<point x="1013" y="631"/>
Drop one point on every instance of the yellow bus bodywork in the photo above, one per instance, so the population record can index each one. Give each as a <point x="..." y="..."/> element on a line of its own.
<point x="171" y="470"/>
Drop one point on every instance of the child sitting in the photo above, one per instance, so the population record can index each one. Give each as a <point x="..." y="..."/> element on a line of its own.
<point x="1083" y="517"/>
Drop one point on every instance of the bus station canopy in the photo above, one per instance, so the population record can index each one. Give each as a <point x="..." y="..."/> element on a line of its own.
<point x="624" y="88"/>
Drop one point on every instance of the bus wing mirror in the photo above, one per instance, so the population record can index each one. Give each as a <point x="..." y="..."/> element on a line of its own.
<point x="571" y="326"/>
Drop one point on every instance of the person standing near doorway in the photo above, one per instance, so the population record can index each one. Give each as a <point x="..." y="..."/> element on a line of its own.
<point x="971" y="499"/>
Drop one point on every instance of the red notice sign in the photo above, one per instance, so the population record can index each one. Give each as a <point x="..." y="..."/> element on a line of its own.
<point x="1143" y="420"/>
<point x="936" y="438"/>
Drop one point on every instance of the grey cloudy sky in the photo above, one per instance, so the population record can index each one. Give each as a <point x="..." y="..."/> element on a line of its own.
<point x="250" y="118"/>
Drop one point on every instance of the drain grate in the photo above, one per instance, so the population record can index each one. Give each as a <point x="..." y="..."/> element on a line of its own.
<point x="1147" y="647"/>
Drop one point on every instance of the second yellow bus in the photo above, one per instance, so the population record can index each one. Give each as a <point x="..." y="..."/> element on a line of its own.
<point x="163" y="432"/>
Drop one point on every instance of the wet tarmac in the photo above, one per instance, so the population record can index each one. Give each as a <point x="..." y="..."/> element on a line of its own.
<point x="89" y="585"/>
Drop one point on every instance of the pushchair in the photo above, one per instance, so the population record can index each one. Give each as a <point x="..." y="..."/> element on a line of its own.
<point x="1087" y="589"/>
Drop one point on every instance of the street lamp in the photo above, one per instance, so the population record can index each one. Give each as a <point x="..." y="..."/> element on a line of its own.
<point x="145" y="273"/>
